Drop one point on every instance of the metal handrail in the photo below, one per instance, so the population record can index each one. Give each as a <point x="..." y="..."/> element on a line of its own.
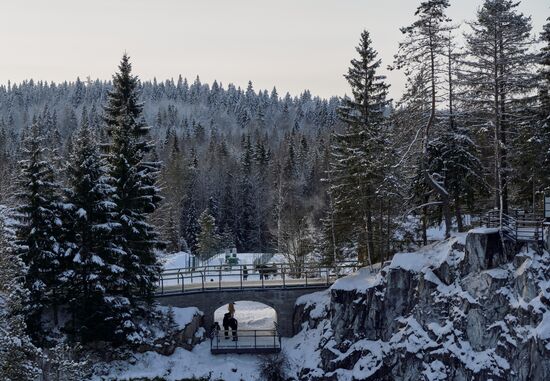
<point x="182" y="280"/>
<point x="242" y="338"/>
<point x="513" y="227"/>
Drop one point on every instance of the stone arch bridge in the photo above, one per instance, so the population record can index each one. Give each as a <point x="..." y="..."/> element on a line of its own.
<point x="281" y="300"/>
<point x="276" y="285"/>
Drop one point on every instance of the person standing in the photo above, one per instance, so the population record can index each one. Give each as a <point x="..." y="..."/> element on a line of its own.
<point x="226" y="318"/>
<point x="233" y="323"/>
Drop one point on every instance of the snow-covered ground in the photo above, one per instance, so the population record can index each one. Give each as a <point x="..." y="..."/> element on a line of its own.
<point x="200" y="362"/>
<point x="185" y="260"/>
<point x="215" y="272"/>
<point x="186" y="364"/>
<point x="250" y="315"/>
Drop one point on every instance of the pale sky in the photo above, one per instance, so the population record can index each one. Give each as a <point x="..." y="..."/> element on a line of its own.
<point x="290" y="44"/>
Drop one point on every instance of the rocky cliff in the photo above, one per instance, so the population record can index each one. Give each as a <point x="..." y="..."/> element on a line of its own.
<point x="467" y="308"/>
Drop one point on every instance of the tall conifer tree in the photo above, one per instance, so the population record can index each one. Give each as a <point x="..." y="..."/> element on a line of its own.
<point x="40" y="230"/>
<point x="91" y="213"/>
<point x="498" y="75"/>
<point x="422" y="55"/>
<point x="135" y="195"/>
<point x="359" y="153"/>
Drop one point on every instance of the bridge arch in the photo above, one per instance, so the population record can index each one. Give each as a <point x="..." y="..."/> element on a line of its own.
<point x="250" y="315"/>
<point x="281" y="300"/>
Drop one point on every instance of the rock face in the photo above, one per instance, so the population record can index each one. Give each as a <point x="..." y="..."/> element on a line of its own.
<point x="461" y="309"/>
<point x="185" y="336"/>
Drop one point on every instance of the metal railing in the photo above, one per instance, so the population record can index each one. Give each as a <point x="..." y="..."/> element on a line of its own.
<point x="517" y="227"/>
<point x="239" y="277"/>
<point x="253" y="341"/>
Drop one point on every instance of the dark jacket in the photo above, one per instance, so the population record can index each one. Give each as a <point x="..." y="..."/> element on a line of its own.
<point x="226" y="319"/>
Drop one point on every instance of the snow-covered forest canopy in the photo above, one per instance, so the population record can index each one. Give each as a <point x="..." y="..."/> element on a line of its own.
<point x="98" y="177"/>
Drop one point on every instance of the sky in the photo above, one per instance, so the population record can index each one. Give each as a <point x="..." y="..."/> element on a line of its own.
<point x="291" y="44"/>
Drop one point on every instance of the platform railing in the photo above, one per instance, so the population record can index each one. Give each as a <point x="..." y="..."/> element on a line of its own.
<point x="253" y="341"/>
<point x="235" y="277"/>
<point x="517" y="226"/>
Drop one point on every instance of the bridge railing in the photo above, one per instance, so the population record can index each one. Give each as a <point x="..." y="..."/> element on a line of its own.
<point x="254" y="341"/>
<point x="226" y="276"/>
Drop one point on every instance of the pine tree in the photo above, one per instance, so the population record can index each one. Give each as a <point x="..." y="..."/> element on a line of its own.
<point x="421" y="55"/>
<point x="498" y="75"/>
<point x="544" y="104"/>
<point x="40" y="231"/>
<point x="135" y="195"/>
<point x="359" y="153"/>
<point x="94" y="254"/>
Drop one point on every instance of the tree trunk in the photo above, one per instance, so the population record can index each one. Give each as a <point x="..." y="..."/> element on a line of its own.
<point x="381" y="232"/>
<point x="369" y="235"/>
<point x="425" y="225"/>
<point x="387" y="232"/>
<point x="437" y="187"/>
<point x="425" y="222"/>
<point x="458" y="214"/>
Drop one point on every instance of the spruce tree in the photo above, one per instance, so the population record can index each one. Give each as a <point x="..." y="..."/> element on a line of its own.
<point x="135" y="194"/>
<point x="208" y="240"/>
<point x="18" y="356"/>
<point x="94" y="253"/>
<point x="359" y="153"/>
<point x="40" y="231"/>
<point x="189" y="215"/>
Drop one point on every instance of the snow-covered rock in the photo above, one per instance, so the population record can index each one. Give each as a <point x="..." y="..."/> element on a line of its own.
<point x="186" y="332"/>
<point x="462" y="309"/>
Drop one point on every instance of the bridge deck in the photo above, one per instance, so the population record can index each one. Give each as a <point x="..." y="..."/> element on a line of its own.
<point x="237" y="285"/>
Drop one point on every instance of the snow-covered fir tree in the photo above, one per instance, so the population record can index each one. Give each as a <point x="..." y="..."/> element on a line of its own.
<point x="135" y="196"/>
<point x="94" y="269"/>
<point x="40" y="231"/>
<point x="19" y="357"/>
<point x="208" y="239"/>
<point x="359" y="154"/>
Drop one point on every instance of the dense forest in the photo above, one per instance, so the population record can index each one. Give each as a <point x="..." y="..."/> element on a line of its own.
<point x="241" y="154"/>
